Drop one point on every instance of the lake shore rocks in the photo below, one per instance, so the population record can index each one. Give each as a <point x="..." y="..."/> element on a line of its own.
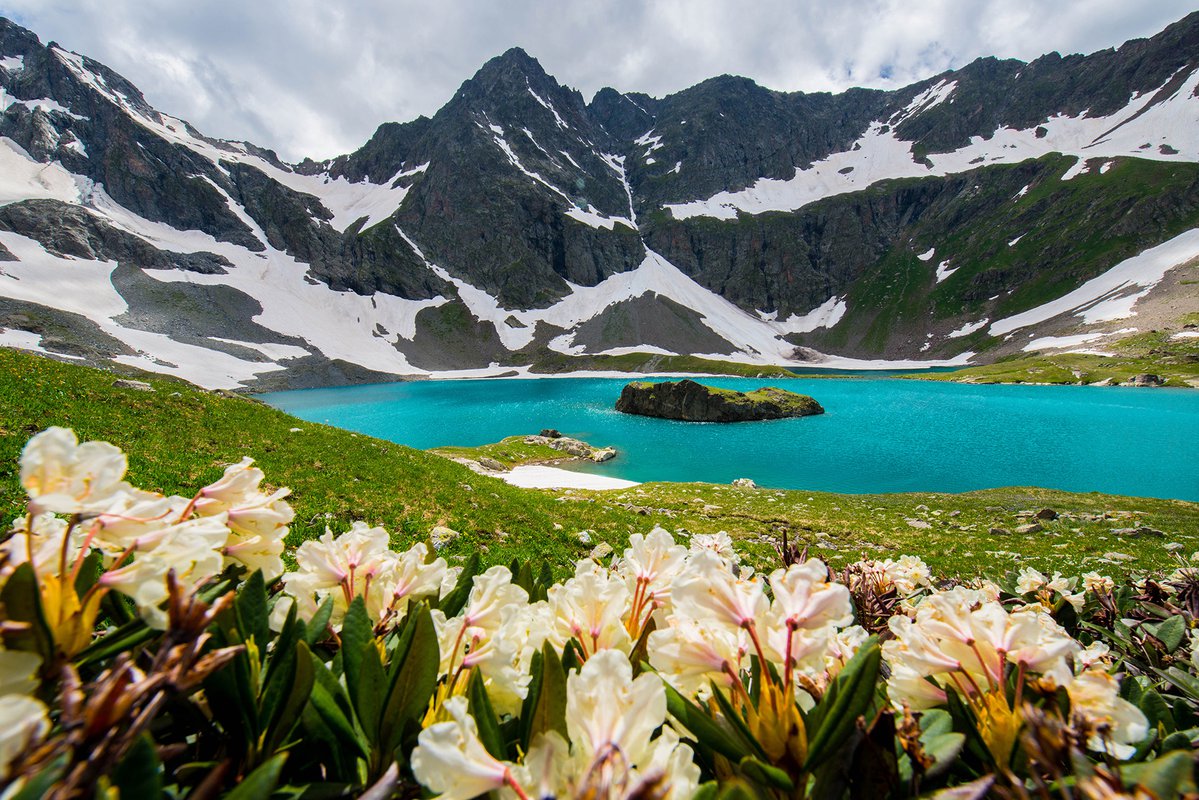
<point x="689" y="401"/>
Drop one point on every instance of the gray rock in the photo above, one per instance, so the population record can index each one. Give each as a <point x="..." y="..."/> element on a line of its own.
<point x="1132" y="533"/>
<point x="1046" y="514"/>
<point x="601" y="550"/>
<point x="1146" y="379"/>
<point x="999" y="531"/>
<point x="584" y="537"/>
<point x="537" y="440"/>
<point x="441" y="536"/>
<point x="491" y="464"/>
<point x="137" y="386"/>
<point x="918" y="523"/>
<point x="1032" y="527"/>
<point x="572" y="447"/>
<point x="603" y="454"/>
<point x="550" y="433"/>
<point x="745" y="483"/>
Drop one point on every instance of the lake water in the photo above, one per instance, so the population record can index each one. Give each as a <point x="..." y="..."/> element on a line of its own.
<point x="877" y="435"/>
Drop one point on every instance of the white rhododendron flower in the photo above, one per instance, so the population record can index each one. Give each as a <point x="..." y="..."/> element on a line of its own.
<point x="61" y="475"/>
<point x="404" y="578"/>
<point x="191" y="549"/>
<point x="690" y="655"/>
<point x="963" y="641"/>
<point x="706" y="589"/>
<point x="496" y="634"/>
<point x="452" y="762"/>
<point x="590" y="607"/>
<point x="648" y="566"/>
<point x="1094" y="582"/>
<point x="258" y="521"/>
<point x="1030" y="581"/>
<point x="23" y="722"/>
<point x="41" y="544"/>
<point x="721" y="544"/>
<point x="341" y="568"/>
<point x="1113" y="725"/>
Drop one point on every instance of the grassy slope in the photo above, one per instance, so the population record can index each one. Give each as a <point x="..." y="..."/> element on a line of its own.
<point x="178" y="443"/>
<point x="1175" y="361"/>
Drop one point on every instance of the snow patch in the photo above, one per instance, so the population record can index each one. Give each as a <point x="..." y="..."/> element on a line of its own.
<point x="1054" y="342"/>
<point x="931" y="97"/>
<point x="23" y="178"/>
<point x="28" y="340"/>
<point x="944" y="270"/>
<point x="12" y="64"/>
<point x="539" y="477"/>
<point x="1112" y="294"/>
<point x="826" y="315"/>
<point x="927" y="255"/>
<point x="967" y="329"/>
<point x="1016" y="241"/>
<point x="557" y="117"/>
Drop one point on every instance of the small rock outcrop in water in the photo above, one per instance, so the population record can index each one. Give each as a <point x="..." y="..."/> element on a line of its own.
<point x="689" y="401"/>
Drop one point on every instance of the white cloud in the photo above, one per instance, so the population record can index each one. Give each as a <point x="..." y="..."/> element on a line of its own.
<point x="311" y="77"/>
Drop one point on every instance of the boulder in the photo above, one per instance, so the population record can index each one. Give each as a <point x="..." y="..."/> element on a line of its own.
<point x="572" y="447"/>
<point x="745" y="483"/>
<point x="1146" y="379"/>
<point x="551" y="433"/>
<point x="689" y="401"/>
<point x="1046" y="514"/>
<point x="1032" y="527"/>
<point x="491" y="464"/>
<point x="137" y="386"/>
<point x="603" y="454"/>
<point x="440" y="536"/>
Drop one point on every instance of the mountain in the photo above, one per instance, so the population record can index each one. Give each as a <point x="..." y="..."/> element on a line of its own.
<point x="523" y="227"/>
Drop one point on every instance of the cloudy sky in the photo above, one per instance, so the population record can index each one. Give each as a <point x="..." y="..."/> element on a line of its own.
<point x="315" y="77"/>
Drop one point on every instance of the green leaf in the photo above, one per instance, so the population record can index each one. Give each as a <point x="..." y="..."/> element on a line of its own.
<point x="706" y="791"/>
<point x="415" y="665"/>
<point x="284" y="720"/>
<point x="139" y="774"/>
<point x="484" y="714"/>
<point x="1170" y="633"/>
<point x="707" y="731"/>
<point x="280" y="669"/>
<point x="1179" y="740"/>
<point x="357" y="637"/>
<point x="944" y="748"/>
<point x="455" y="601"/>
<point x="1165" y="778"/>
<point x="765" y="774"/>
<point x="848" y="697"/>
<point x="89" y="572"/>
<point x="332" y="715"/>
<point x="546" y="709"/>
<point x="457" y="598"/>
<point x="23" y="603"/>
<point x="318" y="626"/>
<point x="1157" y="711"/>
<point x="39" y="785"/>
<point x="125" y="638"/>
<point x="250" y="609"/>
<point x="733" y="717"/>
<point x="261" y="782"/>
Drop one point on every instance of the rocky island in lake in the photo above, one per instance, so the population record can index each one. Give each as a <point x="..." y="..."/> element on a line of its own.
<point x="689" y="401"/>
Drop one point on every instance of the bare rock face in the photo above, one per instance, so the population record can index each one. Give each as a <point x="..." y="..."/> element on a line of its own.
<point x="689" y="401"/>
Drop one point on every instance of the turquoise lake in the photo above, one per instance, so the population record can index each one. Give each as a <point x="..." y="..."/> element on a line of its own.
<point x="878" y="435"/>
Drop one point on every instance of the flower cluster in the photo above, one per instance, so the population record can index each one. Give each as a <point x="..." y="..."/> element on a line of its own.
<point x="671" y="664"/>
<point x="80" y="504"/>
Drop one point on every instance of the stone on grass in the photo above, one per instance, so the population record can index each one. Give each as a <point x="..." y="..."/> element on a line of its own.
<point x="441" y="536"/>
<point x="137" y="386"/>
<point x="491" y="464"/>
<point x="601" y="550"/>
<point x="745" y="483"/>
<point x="1033" y="527"/>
